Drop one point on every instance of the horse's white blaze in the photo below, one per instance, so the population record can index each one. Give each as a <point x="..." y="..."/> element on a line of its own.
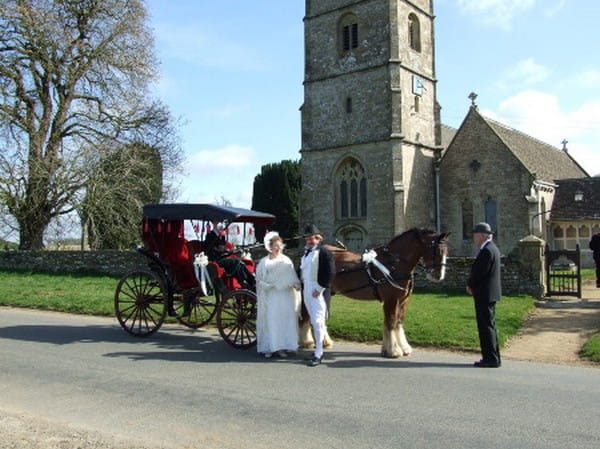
<point x="432" y="278"/>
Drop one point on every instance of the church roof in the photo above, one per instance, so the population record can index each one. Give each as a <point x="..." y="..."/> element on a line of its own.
<point x="547" y="162"/>
<point x="448" y="134"/>
<point x="564" y="206"/>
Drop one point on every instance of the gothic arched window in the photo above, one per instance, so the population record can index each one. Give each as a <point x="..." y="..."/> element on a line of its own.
<point x="491" y="215"/>
<point x="348" y="33"/>
<point x="351" y="185"/>
<point x="467" y="220"/>
<point x="414" y="32"/>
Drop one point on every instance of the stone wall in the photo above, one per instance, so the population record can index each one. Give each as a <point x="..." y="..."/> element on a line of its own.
<point x="522" y="271"/>
<point x="514" y="279"/>
<point x="520" y="274"/>
<point x="110" y="262"/>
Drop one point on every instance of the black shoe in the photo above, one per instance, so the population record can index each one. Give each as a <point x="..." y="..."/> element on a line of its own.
<point x="486" y="364"/>
<point x="315" y="361"/>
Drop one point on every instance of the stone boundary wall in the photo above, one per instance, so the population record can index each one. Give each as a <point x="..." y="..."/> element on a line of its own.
<point x="515" y="279"/>
<point x="109" y="262"/>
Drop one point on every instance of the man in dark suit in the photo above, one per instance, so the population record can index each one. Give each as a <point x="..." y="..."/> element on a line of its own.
<point x="595" y="247"/>
<point x="214" y="243"/>
<point x="484" y="285"/>
<point x="317" y="269"/>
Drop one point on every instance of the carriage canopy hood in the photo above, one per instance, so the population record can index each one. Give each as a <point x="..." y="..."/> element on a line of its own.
<point x="206" y="212"/>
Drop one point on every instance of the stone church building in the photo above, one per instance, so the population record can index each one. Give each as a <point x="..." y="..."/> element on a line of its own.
<point x="376" y="159"/>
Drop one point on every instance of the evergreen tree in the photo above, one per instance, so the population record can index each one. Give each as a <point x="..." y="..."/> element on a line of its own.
<point x="277" y="191"/>
<point x="121" y="184"/>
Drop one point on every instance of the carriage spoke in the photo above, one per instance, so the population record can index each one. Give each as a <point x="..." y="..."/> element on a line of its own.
<point x="140" y="303"/>
<point x="236" y="319"/>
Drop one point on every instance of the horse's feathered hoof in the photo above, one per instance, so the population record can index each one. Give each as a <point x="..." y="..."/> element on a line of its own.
<point x="328" y="343"/>
<point x="389" y="355"/>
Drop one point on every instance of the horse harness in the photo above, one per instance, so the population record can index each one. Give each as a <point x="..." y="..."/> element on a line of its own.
<point x="389" y="275"/>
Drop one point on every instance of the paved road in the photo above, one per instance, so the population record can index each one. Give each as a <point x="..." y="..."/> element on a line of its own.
<point x="189" y="389"/>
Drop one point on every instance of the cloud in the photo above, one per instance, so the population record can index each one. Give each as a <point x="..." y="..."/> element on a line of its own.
<point x="540" y="115"/>
<point x="554" y="8"/>
<point x="230" y="156"/>
<point x="195" y="44"/>
<point x="210" y="175"/>
<point x="586" y="79"/>
<point x="498" y="13"/>
<point x="526" y="72"/>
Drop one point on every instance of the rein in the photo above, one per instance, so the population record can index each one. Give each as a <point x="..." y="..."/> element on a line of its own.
<point x="373" y="282"/>
<point x="370" y="258"/>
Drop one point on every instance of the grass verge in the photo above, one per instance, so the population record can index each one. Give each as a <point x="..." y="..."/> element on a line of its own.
<point x="591" y="350"/>
<point x="443" y="320"/>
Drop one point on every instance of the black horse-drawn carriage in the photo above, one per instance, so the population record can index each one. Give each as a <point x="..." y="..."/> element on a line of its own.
<point x="181" y="282"/>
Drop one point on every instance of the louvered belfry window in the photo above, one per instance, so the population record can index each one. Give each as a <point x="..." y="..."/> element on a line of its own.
<point x="349" y="29"/>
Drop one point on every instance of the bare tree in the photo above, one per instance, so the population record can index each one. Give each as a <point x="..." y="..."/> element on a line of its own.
<point x="73" y="85"/>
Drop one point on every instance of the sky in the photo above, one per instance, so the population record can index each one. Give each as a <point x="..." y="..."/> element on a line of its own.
<point x="231" y="71"/>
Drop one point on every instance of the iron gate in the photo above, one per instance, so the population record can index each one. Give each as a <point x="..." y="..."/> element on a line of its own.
<point x="563" y="272"/>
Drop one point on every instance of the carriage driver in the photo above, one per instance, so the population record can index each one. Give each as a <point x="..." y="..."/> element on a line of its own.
<point x="317" y="270"/>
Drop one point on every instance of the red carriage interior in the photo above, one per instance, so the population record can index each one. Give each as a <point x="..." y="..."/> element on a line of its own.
<point x="167" y="239"/>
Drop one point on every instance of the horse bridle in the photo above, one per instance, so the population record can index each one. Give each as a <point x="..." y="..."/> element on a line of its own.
<point x="396" y="258"/>
<point x="434" y="246"/>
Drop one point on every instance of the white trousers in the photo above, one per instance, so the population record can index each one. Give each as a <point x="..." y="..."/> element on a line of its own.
<point x="317" y="310"/>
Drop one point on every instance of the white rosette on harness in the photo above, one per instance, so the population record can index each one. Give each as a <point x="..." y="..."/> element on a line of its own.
<point x="200" y="264"/>
<point x="370" y="257"/>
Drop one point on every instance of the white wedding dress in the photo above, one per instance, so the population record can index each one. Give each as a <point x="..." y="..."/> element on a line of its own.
<point x="278" y="305"/>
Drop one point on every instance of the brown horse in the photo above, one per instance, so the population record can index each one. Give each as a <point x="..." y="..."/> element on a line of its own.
<point x="386" y="274"/>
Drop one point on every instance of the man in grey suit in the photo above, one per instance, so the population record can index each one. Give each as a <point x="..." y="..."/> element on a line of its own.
<point x="484" y="285"/>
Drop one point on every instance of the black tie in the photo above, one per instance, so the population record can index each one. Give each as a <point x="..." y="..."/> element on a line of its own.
<point x="307" y="251"/>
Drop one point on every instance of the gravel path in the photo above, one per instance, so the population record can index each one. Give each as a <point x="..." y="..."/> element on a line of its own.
<point x="557" y="329"/>
<point x="21" y="431"/>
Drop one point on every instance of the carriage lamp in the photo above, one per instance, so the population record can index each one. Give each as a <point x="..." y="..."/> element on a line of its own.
<point x="578" y="196"/>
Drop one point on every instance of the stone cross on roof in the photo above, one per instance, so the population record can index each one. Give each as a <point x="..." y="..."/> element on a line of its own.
<point x="472" y="96"/>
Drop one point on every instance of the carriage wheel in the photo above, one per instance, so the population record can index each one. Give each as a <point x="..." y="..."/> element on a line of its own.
<point x="236" y="318"/>
<point x="140" y="302"/>
<point x="202" y="308"/>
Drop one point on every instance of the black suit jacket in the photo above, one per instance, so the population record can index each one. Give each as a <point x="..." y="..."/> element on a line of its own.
<point x="595" y="245"/>
<point x="326" y="267"/>
<point x="214" y="245"/>
<point x="484" y="280"/>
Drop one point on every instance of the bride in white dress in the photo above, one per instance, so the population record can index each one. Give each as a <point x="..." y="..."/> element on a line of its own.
<point x="278" y="297"/>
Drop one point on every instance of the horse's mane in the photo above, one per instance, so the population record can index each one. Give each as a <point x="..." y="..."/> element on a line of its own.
<point x="418" y="231"/>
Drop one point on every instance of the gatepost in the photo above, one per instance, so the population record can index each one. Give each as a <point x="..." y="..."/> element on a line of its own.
<point x="531" y="249"/>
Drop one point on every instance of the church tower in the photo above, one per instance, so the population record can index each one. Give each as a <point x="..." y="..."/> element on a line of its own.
<point x="370" y="120"/>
